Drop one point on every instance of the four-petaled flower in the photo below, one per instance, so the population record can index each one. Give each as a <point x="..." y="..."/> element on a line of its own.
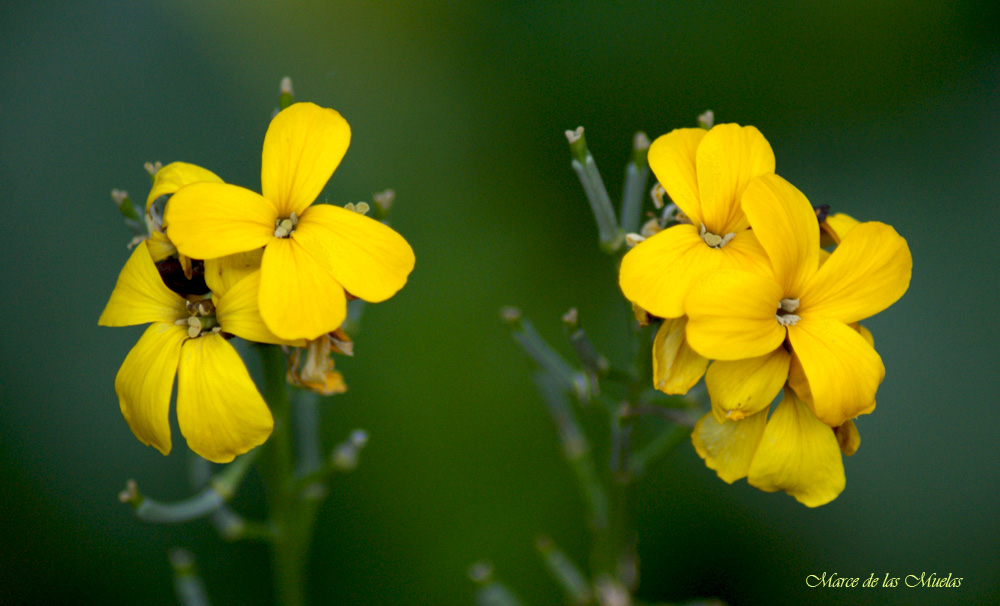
<point x="219" y="410"/>
<point x="705" y="174"/>
<point x="804" y="307"/>
<point x="314" y="254"/>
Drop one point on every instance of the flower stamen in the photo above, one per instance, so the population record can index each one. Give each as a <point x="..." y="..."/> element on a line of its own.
<point x="784" y="315"/>
<point x="194" y="326"/>
<point x="284" y="227"/>
<point x="788" y="305"/>
<point x="714" y="240"/>
<point x="202" y="319"/>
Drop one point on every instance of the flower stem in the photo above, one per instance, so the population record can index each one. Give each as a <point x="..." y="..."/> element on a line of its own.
<point x="288" y="545"/>
<point x="636" y="176"/>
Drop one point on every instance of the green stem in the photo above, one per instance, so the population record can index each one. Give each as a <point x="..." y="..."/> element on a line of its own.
<point x="611" y="541"/>
<point x="305" y="413"/>
<point x="614" y="547"/>
<point x="576" y="447"/>
<point x="636" y="176"/>
<point x="288" y="545"/>
<point x="210" y="499"/>
<point x="611" y="235"/>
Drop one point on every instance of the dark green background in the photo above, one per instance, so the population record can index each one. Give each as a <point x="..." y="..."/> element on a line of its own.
<point x="888" y="111"/>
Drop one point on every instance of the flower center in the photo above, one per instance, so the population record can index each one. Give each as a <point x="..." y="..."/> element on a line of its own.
<point x="713" y="240"/>
<point x="202" y="319"/>
<point x="284" y="227"/>
<point x="784" y="314"/>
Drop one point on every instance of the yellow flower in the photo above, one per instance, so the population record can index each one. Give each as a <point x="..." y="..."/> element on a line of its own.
<point x="312" y="254"/>
<point x="738" y="315"/>
<point x="219" y="410"/>
<point x="705" y="174"/>
<point x="792" y="451"/>
<point x="741" y="387"/>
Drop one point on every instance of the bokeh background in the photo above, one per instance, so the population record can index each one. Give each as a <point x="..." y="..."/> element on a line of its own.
<point x="884" y="110"/>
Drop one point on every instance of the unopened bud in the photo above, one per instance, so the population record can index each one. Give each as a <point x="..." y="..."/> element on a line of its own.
<point x="130" y="494"/>
<point x="481" y="572"/>
<point x="181" y="560"/>
<point x="287" y="97"/>
<point x="611" y="592"/>
<point x="574" y="135"/>
<point x="120" y="196"/>
<point x="510" y="315"/>
<point x="345" y="455"/>
<point x="384" y="199"/>
<point x="707" y="119"/>
<point x="640" y="141"/>
<point x="121" y="199"/>
<point x="657" y="194"/>
<point x="633" y="240"/>
<point x="153" y="167"/>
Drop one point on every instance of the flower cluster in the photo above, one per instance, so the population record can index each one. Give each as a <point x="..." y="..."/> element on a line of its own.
<point x="740" y="279"/>
<point x="270" y="268"/>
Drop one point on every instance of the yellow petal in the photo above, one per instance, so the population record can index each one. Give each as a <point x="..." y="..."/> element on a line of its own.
<point x="728" y="447"/>
<point x="798" y="382"/>
<point x="658" y="272"/>
<point x="837" y="225"/>
<point x="176" y="175"/>
<point x="731" y="315"/>
<point x="868" y="272"/>
<point x="298" y="298"/>
<point x="140" y="296"/>
<point x="222" y="273"/>
<point x="786" y="226"/>
<point x="848" y="438"/>
<point x="238" y="314"/>
<point x="745" y="252"/>
<point x="797" y="376"/>
<point x="740" y="388"/>
<point x="798" y="454"/>
<point x="728" y="158"/>
<point x="870" y="339"/>
<point x="219" y="410"/>
<point x="302" y="147"/>
<point x="145" y="381"/>
<point x="672" y="158"/>
<point x="676" y="367"/>
<point x="367" y="258"/>
<point x="211" y="220"/>
<point x="842" y="369"/>
<point x="865" y="334"/>
<point x="823" y="255"/>
<point x="160" y="246"/>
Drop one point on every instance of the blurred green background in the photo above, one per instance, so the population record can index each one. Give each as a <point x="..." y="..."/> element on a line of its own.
<point x="885" y="110"/>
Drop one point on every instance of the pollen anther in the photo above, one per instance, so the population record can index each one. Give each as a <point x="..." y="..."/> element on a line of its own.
<point x="789" y="305"/>
<point x="284" y="227"/>
<point x="787" y="319"/>
<point x="714" y="240"/>
<point x="194" y="326"/>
